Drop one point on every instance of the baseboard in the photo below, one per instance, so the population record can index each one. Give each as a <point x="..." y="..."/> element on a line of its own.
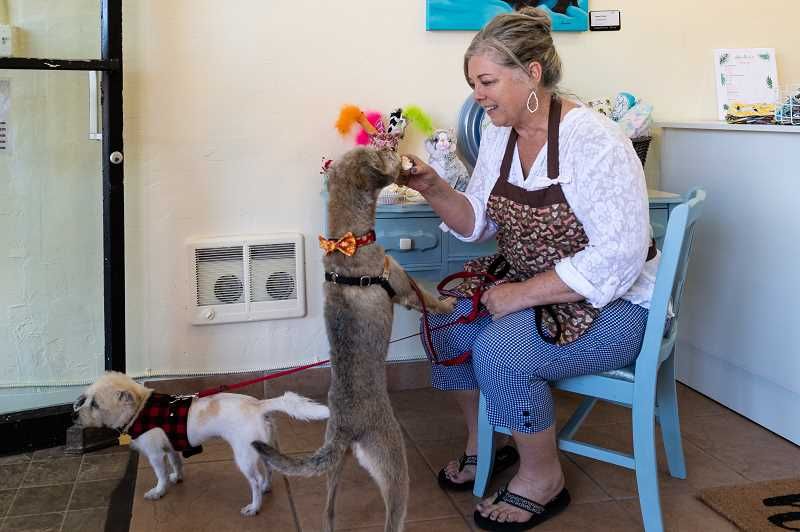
<point x="764" y="402"/>
<point x="30" y="430"/>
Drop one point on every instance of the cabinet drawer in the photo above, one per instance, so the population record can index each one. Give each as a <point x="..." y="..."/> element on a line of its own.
<point x="459" y="249"/>
<point x="658" y="221"/>
<point x="421" y="235"/>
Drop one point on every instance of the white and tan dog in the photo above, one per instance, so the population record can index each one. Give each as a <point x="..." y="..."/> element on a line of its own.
<point x="117" y="401"/>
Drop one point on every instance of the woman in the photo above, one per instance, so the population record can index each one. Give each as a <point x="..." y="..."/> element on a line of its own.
<point x="563" y="191"/>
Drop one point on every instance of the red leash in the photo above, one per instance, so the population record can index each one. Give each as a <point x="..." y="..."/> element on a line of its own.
<point x="474" y="314"/>
<point x="226" y="387"/>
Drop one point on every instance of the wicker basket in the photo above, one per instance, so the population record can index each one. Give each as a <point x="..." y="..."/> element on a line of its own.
<point x="392" y="195"/>
<point x="641" y="144"/>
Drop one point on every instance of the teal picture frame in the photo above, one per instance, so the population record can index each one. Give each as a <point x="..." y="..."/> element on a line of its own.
<point x="567" y="15"/>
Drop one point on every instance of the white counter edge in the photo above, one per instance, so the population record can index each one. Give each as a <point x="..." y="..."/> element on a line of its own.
<point x="729" y="127"/>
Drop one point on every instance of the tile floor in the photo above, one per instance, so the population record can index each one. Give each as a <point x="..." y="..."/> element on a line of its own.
<point x="47" y="491"/>
<point x="721" y="448"/>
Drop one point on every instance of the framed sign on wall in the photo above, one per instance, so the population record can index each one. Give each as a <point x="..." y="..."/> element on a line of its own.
<point x="567" y="15"/>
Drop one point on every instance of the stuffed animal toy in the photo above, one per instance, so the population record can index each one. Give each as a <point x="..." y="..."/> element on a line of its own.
<point x="441" y="147"/>
<point x="397" y="123"/>
<point x="622" y="103"/>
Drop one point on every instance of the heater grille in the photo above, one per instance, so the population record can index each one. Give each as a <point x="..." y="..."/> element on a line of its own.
<point x="247" y="279"/>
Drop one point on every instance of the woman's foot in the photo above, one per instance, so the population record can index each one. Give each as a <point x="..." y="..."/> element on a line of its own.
<point x="457" y="473"/>
<point x="539" y="490"/>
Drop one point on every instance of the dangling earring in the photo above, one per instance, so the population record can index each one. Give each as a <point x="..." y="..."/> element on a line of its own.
<point x="528" y="104"/>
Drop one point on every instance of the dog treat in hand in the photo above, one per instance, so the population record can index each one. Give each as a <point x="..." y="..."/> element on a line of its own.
<point x="406" y="163"/>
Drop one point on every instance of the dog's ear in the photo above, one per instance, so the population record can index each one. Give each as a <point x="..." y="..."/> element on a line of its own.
<point x="79" y="402"/>
<point x="125" y="396"/>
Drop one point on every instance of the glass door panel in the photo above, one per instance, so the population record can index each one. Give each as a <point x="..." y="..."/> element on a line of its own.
<point x="52" y="333"/>
<point x="66" y="29"/>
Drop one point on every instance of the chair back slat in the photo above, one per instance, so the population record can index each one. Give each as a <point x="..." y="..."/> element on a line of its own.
<point x="671" y="278"/>
<point x="683" y="266"/>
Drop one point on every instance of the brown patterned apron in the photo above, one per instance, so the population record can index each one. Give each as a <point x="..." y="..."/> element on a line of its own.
<point x="536" y="229"/>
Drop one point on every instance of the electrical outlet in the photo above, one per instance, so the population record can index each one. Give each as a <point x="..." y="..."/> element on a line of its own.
<point x="7" y="40"/>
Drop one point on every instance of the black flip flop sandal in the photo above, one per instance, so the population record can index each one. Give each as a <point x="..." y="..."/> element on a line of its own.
<point x="541" y="513"/>
<point x="504" y="458"/>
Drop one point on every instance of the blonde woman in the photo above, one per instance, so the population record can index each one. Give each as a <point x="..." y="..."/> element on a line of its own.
<point x="563" y="192"/>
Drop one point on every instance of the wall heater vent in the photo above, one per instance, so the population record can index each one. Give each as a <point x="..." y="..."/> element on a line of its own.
<point x="247" y="278"/>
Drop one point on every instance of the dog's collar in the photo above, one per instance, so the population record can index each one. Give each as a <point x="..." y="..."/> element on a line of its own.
<point x="365" y="280"/>
<point x="129" y="424"/>
<point x="348" y="244"/>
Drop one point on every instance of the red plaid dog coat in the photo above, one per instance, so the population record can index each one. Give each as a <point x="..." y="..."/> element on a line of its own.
<point x="169" y="414"/>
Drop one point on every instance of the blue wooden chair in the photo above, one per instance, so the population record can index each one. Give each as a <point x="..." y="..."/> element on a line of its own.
<point x="647" y="386"/>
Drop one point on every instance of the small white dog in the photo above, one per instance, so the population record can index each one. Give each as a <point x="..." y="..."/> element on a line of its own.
<point x="163" y="425"/>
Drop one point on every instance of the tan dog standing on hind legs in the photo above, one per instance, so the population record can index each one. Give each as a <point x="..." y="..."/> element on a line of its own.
<point x="162" y="425"/>
<point x="363" y="284"/>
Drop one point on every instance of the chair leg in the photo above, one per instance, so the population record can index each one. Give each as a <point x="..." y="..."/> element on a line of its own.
<point x="667" y="399"/>
<point x="644" y="455"/>
<point x="576" y="420"/>
<point x="485" y="450"/>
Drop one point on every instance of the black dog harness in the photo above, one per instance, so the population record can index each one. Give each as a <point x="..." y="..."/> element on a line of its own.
<point x="365" y="280"/>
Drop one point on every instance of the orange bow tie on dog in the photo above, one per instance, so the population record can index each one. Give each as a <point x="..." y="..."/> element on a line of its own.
<point x="348" y="244"/>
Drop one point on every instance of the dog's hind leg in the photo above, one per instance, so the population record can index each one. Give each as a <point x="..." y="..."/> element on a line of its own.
<point x="384" y="457"/>
<point x="247" y="460"/>
<point x="264" y="470"/>
<point x="330" y="504"/>
<point x="266" y="476"/>
<point x="176" y="462"/>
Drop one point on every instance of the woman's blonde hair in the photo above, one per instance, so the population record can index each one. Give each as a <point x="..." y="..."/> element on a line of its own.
<point x="517" y="39"/>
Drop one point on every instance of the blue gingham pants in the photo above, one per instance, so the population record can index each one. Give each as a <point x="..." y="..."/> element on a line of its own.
<point x="512" y="365"/>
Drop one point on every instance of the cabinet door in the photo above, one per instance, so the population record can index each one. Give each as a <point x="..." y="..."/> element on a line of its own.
<point x="411" y="241"/>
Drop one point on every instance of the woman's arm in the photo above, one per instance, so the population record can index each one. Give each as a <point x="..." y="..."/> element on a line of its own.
<point x="452" y="207"/>
<point x="542" y="289"/>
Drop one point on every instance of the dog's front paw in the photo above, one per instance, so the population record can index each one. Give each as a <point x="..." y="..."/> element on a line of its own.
<point x="250" y="510"/>
<point x="444" y="306"/>
<point x="155" y="494"/>
<point x="175" y="478"/>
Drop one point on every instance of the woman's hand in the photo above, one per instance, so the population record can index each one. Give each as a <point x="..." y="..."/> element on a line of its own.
<point x="503" y="299"/>
<point x="420" y="177"/>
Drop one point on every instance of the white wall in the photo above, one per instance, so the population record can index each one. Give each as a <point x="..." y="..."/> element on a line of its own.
<point x="229" y="108"/>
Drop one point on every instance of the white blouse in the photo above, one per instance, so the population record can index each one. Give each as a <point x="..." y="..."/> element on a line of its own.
<point x="603" y="182"/>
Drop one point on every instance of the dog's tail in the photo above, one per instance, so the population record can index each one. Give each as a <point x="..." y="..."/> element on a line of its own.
<point x="296" y="406"/>
<point x="316" y="464"/>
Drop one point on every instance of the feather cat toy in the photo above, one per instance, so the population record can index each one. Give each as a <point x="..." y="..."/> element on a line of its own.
<point x="385" y="135"/>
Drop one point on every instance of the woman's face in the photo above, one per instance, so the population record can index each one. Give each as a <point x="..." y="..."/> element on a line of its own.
<point x="501" y="91"/>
